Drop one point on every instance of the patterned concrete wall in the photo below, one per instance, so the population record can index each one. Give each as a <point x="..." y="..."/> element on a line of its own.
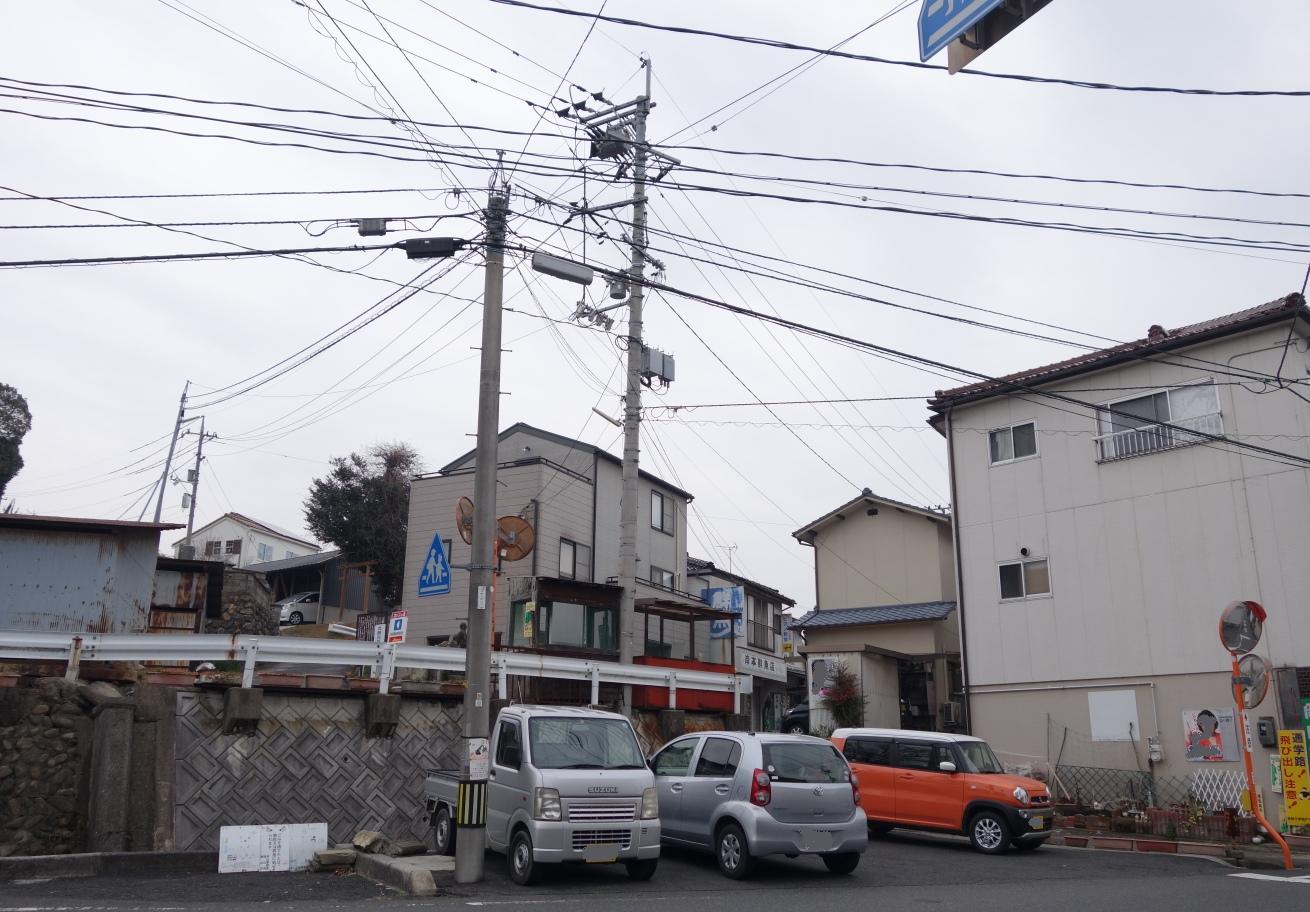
<point x="308" y="762"/>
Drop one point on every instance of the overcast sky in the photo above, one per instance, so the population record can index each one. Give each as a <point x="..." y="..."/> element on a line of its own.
<point x="102" y="352"/>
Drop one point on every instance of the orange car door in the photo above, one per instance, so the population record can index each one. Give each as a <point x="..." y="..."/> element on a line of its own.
<point x="926" y="796"/>
<point x="870" y="759"/>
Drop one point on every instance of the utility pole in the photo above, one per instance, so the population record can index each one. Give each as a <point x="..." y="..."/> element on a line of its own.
<point x="632" y="398"/>
<point x="471" y="813"/>
<point x="172" y="446"/>
<point x="195" y="480"/>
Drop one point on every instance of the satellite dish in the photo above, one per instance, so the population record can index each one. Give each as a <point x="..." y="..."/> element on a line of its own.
<point x="464" y="519"/>
<point x="514" y="537"/>
<point x="1241" y="625"/>
<point x="1255" y="672"/>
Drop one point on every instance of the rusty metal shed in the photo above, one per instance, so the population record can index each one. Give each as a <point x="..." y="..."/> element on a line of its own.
<point x="79" y="575"/>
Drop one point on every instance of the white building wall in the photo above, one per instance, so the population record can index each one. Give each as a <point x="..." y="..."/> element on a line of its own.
<point x="1143" y="552"/>
<point x="227" y="529"/>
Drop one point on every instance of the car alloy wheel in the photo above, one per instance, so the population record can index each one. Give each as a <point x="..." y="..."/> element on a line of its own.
<point x="733" y="853"/>
<point x="988" y="833"/>
<point x="730" y="851"/>
<point x="296" y="618"/>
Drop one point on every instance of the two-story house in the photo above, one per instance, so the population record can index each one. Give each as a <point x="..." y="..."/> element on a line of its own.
<point x="752" y="642"/>
<point x="240" y="541"/>
<point x="885" y="584"/>
<point x="1100" y="533"/>
<point x="563" y="597"/>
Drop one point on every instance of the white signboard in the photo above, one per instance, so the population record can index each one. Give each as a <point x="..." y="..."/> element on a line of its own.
<point x="1114" y="715"/>
<point x="761" y="664"/>
<point x="479" y="758"/>
<point x="269" y="847"/>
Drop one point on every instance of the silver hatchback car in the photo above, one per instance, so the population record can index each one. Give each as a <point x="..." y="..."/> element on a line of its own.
<point x="745" y="795"/>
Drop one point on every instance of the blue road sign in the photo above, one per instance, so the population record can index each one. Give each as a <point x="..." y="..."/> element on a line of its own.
<point x="942" y="21"/>
<point x="434" y="577"/>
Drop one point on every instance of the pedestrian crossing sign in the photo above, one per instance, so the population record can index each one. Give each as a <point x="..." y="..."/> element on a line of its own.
<point x="434" y="576"/>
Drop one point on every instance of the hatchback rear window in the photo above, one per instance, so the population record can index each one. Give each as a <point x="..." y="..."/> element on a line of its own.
<point x="800" y="762"/>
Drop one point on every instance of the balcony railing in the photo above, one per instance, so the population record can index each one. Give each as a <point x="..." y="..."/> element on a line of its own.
<point x="1156" y="437"/>
<point x="761" y="636"/>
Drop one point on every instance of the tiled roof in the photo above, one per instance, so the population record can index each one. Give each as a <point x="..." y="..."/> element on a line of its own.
<point x="698" y="567"/>
<point x="880" y="614"/>
<point x="1155" y="342"/>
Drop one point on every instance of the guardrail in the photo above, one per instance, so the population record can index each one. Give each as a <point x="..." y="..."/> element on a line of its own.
<point x="75" y="648"/>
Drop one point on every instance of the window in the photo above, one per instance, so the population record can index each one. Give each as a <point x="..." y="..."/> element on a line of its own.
<point x="509" y="746"/>
<point x="213" y="548"/>
<point x="920" y="755"/>
<point x="1018" y="441"/>
<point x="803" y="761"/>
<point x="565" y="743"/>
<point x="1131" y="427"/>
<point x="661" y="512"/>
<point x="232" y="546"/>
<point x="264" y="552"/>
<point x="718" y="758"/>
<point x="574" y="560"/>
<point x="675" y="759"/>
<point x="868" y="750"/>
<point x="571" y="624"/>
<point x="288" y="555"/>
<point x="1023" y="579"/>
<point x="661" y="577"/>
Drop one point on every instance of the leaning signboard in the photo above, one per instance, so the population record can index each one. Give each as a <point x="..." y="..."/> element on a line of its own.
<point x="1296" y="777"/>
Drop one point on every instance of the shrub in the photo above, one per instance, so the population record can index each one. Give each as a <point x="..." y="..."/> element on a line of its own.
<point x="841" y="696"/>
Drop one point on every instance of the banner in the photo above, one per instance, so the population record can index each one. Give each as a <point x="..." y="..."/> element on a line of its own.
<point x="731" y="599"/>
<point x="1211" y="735"/>
<point x="1296" y="777"/>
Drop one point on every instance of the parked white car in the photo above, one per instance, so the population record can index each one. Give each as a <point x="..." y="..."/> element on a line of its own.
<point x="299" y="608"/>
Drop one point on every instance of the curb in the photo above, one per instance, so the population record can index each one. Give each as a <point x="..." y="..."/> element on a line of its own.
<point x="89" y="864"/>
<point x="416" y="875"/>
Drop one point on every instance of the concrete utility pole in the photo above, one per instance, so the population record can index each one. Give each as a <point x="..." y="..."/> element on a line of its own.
<point x="172" y="446"/>
<point x="632" y="398"/>
<point x="471" y="807"/>
<point x="195" y="481"/>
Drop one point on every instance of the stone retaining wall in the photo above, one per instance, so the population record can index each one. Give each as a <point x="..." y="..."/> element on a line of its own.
<point x="247" y="606"/>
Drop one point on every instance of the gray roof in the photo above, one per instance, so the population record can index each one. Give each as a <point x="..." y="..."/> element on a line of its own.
<point x="292" y="563"/>
<point x="865" y="497"/>
<point x="879" y="614"/>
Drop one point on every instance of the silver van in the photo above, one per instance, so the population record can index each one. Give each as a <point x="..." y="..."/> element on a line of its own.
<point x="745" y="795"/>
<point x="566" y="784"/>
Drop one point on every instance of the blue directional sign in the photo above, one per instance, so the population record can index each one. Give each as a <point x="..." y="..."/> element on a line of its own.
<point x="942" y="21"/>
<point x="434" y="577"/>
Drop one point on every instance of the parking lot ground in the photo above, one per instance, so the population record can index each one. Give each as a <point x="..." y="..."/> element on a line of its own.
<point x="900" y="871"/>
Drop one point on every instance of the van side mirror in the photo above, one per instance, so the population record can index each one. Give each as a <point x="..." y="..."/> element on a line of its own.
<point x="946" y="766"/>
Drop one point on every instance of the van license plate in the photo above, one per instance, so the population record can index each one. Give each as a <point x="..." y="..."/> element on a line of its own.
<point x="606" y="853"/>
<point x="1037" y="823"/>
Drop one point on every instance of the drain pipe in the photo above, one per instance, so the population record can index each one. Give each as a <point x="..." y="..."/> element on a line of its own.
<point x="959" y="574"/>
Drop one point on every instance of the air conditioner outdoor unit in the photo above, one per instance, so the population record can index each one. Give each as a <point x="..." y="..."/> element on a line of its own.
<point x="186" y="552"/>
<point x="951" y="713"/>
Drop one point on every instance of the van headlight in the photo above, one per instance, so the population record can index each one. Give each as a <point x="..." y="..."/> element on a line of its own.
<point x="650" y="804"/>
<point x="545" y="804"/>
<point x="1021" y="795"/>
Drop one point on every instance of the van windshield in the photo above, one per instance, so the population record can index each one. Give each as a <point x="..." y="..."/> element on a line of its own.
<point x="802" y="762"/>
<point x="978" y="757"/>
<point x="563" y="743"/>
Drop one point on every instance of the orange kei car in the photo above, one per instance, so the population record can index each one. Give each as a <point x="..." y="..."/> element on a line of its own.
<point x="950" y="783"/>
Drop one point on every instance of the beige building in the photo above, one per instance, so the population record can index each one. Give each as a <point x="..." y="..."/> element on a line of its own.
<point x="563" y="596"/>
<point x="1099" y="535"/>
<point x="886" y="612"/>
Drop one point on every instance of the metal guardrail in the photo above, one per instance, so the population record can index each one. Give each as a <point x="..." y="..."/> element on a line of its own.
<point x="75" y="648"/>
<point x="1153" y="438"/>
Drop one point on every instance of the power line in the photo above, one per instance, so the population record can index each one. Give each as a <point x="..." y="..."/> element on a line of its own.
<point x="869" y="58"/>
<point x="172" y="257"/>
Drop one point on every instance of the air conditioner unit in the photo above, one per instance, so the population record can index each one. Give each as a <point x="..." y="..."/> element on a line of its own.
<point x="186" y="552"/>
<point x="951" y="713"/>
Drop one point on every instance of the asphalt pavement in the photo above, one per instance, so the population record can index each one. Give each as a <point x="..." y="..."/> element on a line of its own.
<point x="901" y="871"/>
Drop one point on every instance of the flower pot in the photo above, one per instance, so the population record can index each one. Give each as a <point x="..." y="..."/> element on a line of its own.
<point x="1077" y="842"/>
<point x="271" y="679"/>
<point x="1114" y="843"/>
<point x="1214" y="849"/>
<point x="325" y="682"/>
<point x="1157" y="845"/>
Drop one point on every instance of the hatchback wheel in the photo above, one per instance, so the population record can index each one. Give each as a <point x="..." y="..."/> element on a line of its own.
<point x="733" y="853"/>
<point x="989" y="832"/>
<point x="296" y="618"/>
<point x="842" y="862"/>
<point x="443" y="832"/>
<point x="522" y="869"/>
<point x="795" y="729"/>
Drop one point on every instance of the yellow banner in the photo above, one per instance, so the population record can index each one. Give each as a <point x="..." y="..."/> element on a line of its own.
<point x="1296" y="777"/>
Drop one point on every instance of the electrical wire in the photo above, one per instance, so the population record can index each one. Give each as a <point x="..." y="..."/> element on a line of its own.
<point x="869" y="58"/>
<point x="173" y="257"/>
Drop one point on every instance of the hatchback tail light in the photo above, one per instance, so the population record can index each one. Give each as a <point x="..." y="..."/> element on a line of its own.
<point x="761" y="788"/>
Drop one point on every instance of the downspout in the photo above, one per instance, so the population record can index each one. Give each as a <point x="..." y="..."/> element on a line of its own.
<point x="959" y="574"/>
<point x="595" y="483"/>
